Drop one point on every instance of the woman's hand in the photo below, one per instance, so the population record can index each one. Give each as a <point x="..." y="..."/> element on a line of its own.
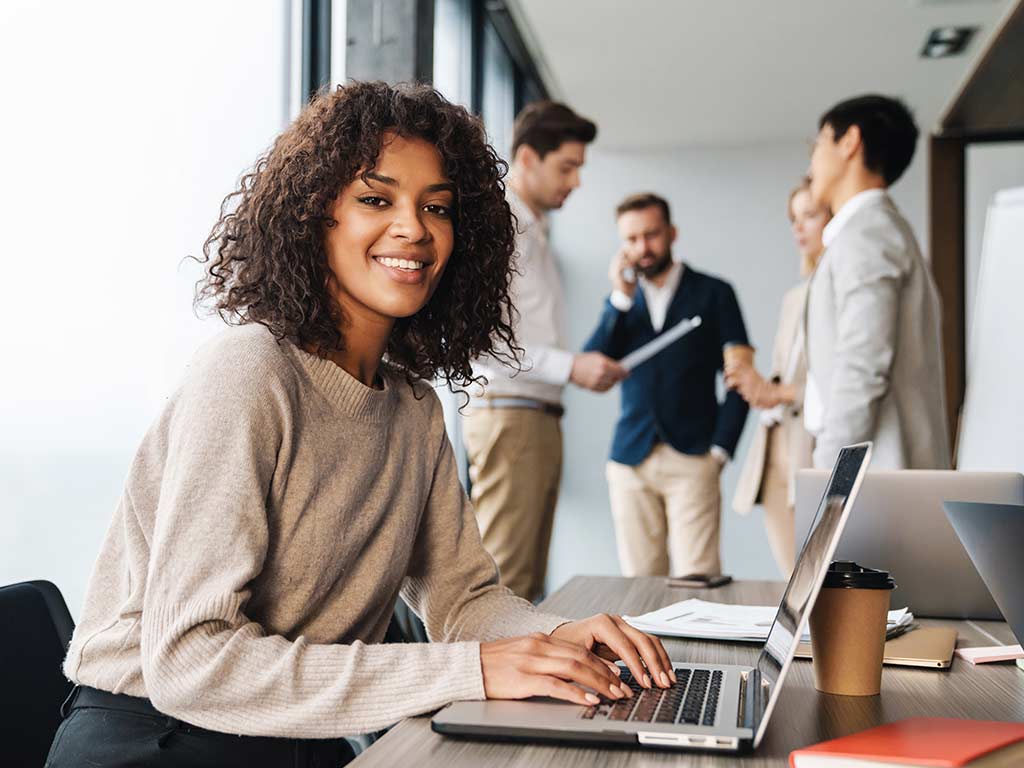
<point x="543" y="665"/>
<point x="610" y="637"/>
<point x="751" y="385"/>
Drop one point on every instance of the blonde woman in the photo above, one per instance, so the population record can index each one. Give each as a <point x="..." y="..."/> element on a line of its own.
<point x="781" y="445"/>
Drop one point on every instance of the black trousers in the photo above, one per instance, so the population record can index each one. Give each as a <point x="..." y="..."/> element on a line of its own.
<point x="117" y="731"/>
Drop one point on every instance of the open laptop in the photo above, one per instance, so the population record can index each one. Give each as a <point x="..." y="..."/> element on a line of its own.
<point x="900" y="526"/>
<point x="993" y="535"/>
<point x="717" y="707"/>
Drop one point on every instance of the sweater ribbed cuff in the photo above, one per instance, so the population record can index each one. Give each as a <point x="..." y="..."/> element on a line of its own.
<point x="205" y="665"/>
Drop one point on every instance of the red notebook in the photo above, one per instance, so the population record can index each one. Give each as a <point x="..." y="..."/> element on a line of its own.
<point x="931" y="741"/>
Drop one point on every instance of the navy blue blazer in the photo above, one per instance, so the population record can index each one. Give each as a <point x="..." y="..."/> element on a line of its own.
<point x="672" y="396"/>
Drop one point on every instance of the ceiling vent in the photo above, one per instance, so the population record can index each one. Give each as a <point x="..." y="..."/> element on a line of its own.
<point x="943" y="42"/>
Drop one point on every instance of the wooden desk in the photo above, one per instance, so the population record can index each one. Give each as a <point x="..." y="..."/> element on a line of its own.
<point x="803" y="716"/>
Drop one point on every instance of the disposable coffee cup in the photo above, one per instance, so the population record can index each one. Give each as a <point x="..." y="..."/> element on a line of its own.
<point x="848" y="629"/>
<point x="735" y="353"/>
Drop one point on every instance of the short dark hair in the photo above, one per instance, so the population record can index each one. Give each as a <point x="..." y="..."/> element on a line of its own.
<point x="644" y="200"/>
<point x="547" y="125"/>
<point x="887" y="131"/>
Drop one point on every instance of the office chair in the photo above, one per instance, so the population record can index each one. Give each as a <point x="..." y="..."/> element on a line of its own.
<point x="405" y="626"/>
<point x="35" y="630"/>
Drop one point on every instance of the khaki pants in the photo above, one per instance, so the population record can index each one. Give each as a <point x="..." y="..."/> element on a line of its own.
<point x="779" y="514"/>
<point x="666" y="508"/>
<point x="515" y="457"/>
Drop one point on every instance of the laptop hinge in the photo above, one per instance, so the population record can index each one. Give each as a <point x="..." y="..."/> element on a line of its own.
<point x="753" y="696"/>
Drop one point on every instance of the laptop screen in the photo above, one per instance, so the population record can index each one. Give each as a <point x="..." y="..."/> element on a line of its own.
<point x="809" y="572"/>
<point x="993" y="535"/>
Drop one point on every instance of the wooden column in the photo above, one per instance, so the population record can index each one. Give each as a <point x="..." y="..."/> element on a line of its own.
<point x="946" y="213"/>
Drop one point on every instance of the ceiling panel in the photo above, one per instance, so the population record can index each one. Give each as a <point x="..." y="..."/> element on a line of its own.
<point x="656" y="73"/>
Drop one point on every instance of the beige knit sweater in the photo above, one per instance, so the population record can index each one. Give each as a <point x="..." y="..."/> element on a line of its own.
<point x="270" y="519"/>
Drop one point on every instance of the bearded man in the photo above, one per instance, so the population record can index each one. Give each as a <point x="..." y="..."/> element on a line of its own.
<point x="673" y="436"/>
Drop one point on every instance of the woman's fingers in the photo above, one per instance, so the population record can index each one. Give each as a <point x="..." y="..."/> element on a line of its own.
<point x="567" y="669"/>
<point x="643" y="654"/>
<point x="607" y="671"/>
<point x="510" y="668"/>
<point x="608" y="633"/>
<point x="579" y="672"/>
<point x="608" y="656"/>
<point x="546" y="685"/>
<point x="739" y="379"/>
<point x="651" y="649"/>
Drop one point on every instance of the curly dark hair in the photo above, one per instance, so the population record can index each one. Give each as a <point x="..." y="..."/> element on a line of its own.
<point x="266" y="258"/>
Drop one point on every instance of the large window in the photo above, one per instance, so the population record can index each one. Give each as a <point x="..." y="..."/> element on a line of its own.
<point x="125" y="125"/>
<point x="499" y="100"/>
<point x="481" y="61"/>
<point x="453" y="50"/>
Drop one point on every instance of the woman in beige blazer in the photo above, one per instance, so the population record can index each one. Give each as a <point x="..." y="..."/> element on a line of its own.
<point x="781" y="445"/>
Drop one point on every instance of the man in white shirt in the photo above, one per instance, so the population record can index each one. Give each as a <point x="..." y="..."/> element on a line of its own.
<point x="511" y="429"/>
<point x="873" y="322"/>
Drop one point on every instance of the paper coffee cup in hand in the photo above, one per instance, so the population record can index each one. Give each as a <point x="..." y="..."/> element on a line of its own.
<point x="737" y="354"/>
<point x="848" y="629"/>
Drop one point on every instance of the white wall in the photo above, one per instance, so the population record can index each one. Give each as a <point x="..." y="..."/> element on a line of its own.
<point x="730" y="208"/>
<point x="125" y="125"/>
<point x="990" y="168"/>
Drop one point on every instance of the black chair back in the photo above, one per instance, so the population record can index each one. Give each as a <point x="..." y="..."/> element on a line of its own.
<point x="35" y="630"/>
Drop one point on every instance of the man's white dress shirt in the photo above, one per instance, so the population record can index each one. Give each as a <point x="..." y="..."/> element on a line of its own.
<point x="536" y="293"/>
<point x="657" y="297"/>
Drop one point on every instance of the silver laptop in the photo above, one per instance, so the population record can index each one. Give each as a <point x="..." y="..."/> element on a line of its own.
<point x="717" y="707"/>
<point x="993" y="535"/>
<point x="900" y="526"/>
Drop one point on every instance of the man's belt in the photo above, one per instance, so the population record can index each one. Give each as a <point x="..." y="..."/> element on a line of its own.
<point x="497" y="403"/>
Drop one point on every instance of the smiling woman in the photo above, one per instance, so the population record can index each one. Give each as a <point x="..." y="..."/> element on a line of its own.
<point x="390" y="235"/>
<point x="300" y="479"/>
<point x="280" y="259"/>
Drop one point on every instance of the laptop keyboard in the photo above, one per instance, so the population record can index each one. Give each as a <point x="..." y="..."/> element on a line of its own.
<point x="693" y="700"/>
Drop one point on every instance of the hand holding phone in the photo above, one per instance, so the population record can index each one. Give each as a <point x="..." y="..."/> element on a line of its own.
<point x="621" y="274"/>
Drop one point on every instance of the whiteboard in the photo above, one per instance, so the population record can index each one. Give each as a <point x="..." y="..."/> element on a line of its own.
<point x="992" y="423"/>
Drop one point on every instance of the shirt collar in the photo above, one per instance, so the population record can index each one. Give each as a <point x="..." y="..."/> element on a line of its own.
<point x="523" y="213"/>
<point x="844" y="214"/>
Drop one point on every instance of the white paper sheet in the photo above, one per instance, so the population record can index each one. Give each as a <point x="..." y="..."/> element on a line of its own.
<point x="719" y="621"/>
<point x="651" y="348"/>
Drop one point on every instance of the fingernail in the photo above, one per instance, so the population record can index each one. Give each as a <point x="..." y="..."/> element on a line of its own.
<point x="618" y="670"/>
<point x="592" y="698"/>
<point x="629" y="691"/>
<point x="665" y="682"/>
<point x="672" y="674"/>
<point x="616" y="691"/>
<point x="647" y="680"/>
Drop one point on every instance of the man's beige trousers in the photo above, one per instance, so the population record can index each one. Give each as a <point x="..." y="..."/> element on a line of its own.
<point x="666" y="513"/>
<point x="515" y="458"/>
